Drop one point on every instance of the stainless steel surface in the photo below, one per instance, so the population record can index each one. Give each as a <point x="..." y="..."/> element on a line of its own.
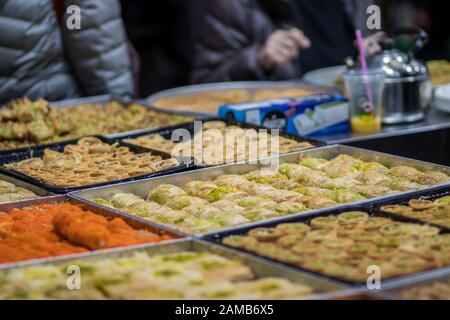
<point x="261" y="268"/>
<point x="393" y="290"/>
<point x="406" y="100"/>
<point x="141" y="188"/>
<point x="408" y="90"/>
<point x="223" y="86"/>
<point x="19" y="183"/>
<point x="103" y="211"/>
<point x="436" y="120"/>
<point x="397" y="65"/>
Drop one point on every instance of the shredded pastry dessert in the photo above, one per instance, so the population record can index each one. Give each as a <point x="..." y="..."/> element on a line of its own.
<point x="433" y="291"/>
<point x="90" y="162"/>
<point x="220" y="144"/>
<point x="436" y="212"/>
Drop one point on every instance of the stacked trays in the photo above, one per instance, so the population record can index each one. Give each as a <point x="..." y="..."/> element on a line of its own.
<point x="139" y="191"/>
<point x="142" y="188"/>
<point x="419" y="247"/>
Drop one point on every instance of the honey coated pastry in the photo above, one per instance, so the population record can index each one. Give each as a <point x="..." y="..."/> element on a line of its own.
<point x="90" y="162"/>
<point x="344" y="246"/>
<point x="436" y="212"/>
<point x="437" y="290"/>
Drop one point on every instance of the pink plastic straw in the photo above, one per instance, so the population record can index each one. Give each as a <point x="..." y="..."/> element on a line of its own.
<point x="362" y="54"/>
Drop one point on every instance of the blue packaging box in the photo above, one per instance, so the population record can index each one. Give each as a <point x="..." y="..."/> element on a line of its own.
<point x="314" y="115"/>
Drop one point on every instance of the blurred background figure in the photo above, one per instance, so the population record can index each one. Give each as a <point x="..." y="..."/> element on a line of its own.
<point x="163" y="32"/>
<point x="275" y="39"/>
<point x="41" y="58"/>
<point x="428" y="15"/>
<point x="236" y="40"/>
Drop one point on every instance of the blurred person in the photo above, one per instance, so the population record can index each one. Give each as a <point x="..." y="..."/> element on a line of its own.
<point x="41" y="58"/>
<point x="163" y="32"/>
<point x="277" y="39"/>
<point x="431" y="16"/>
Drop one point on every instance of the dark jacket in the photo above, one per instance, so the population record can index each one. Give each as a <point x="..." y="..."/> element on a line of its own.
<point x="234" y="32"/>
<point x="40" y="58"/>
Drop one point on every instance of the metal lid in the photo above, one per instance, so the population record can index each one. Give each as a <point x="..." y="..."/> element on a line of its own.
<point x="395" y="63"/>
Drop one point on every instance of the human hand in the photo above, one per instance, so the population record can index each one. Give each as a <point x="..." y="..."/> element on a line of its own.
<point x="282" y="47"/>
<point x="371" y="42"/>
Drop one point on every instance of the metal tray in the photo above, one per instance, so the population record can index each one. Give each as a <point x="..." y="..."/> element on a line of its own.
<point x="141" y="188"/>
<point x="428" y="195"/>
<point x="129" y="219"/>
<point x="411" y="278"/>
<point x="166" y="133"/>
<point x="326" y="76"/>
<point x="224" y="86"/>
<point x="39" y="151"/>
<point x="393" y="292"/>
<point x="325" y="288"/>
<point x="19" y="183"/>
<point x="65" y="104"/>
<point x="356" y="294"/>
